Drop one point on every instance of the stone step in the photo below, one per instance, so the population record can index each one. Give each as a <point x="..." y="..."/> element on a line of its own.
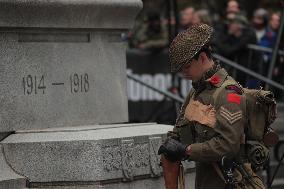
<point x="13" y="184"/>
<point x="154" y="183"/>
<point x="8" y="178"/>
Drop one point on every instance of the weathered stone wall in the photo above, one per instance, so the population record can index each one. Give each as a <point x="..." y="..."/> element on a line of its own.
<point x="63" y="62"/>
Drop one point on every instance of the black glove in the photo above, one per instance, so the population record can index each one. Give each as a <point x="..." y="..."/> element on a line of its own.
<point x="173" y="150"/>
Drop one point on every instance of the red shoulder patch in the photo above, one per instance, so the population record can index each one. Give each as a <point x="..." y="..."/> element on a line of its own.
<point x="215" y="79"/>
<point x="234" y="98"/>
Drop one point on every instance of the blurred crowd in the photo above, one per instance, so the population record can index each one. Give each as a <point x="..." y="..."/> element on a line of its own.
<point x="234" y="32"/>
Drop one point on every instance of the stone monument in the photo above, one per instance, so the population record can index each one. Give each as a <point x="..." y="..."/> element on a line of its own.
<point x="63" y="104"/>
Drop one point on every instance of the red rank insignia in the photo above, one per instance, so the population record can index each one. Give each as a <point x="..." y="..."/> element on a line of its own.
<point x="234" y="98"/>
<point x="215" y="79"/>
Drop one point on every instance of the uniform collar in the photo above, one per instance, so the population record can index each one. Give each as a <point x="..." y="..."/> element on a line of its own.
<point x="203" y="83"/>
<point x="218" y="78"/>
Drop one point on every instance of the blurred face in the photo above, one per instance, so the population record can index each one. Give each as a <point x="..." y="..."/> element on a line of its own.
<point x="274" y="22"/>
<point x="234" y="28"/>
<point x="196" y="19"/>
<point x="231" y="16"/>
<point x="192" y="70"/>
<point x="258" y="22"/>
<point x="186" y="17"/>
<point x="233" y="7"/>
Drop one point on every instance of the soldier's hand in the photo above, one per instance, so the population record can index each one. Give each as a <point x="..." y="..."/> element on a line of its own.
<point x="173" y="150"/>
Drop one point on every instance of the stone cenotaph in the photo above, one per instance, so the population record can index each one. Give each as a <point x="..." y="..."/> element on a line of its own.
<point x="63" y="103"/>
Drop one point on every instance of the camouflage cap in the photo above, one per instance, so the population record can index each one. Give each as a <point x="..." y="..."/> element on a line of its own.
<point x="187" y="44"/>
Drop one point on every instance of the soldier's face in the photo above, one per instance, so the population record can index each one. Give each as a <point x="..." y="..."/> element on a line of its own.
<point x="193" y="70"/>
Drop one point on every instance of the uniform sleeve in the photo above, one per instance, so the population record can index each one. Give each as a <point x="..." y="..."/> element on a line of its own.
<point x="175" y="133"/>
<point x="182" y="130"/>
<point x="230" y="122"/>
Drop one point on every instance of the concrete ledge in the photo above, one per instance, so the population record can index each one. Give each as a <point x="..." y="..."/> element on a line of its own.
<point x="119" y="153"/>
<point x="87" y="133"/>
<point x="8" y="178"/>
<point x="115" y="14"/>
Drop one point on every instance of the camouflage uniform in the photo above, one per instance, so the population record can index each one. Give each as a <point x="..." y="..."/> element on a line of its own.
<point x="212" y="120"/>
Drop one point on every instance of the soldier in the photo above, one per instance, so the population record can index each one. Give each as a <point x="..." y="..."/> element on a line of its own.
<point x="210" y="129"/>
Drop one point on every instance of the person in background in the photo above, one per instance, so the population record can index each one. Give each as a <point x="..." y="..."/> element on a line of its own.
<point x="266" y="37"/>
<point x="186" y="17"/>
<point x="152" y="35"/>
<point x="274" y="21"/>
<point x="221" y="27"/>
<point x="232" y="44"/>
<point x="233" y="7"/>
<point x="202" y="17"/>
<point x="278" y="71"/>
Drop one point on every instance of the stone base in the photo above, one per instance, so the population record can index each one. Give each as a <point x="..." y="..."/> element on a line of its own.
<point x="124" y="155"/>
<point x="8" y="178"/>
<point x="152" y="183"/>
